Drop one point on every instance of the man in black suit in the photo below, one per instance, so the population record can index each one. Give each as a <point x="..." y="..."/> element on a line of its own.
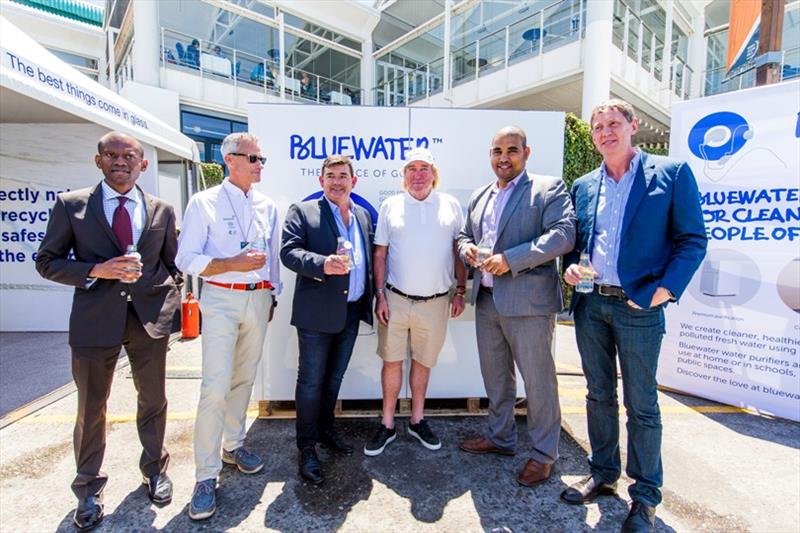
<point x="119" y="301"/>
<point x="333" y="292"/>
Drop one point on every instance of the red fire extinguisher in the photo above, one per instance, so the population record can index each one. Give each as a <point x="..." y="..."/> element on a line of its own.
<point x="190" y="317"/>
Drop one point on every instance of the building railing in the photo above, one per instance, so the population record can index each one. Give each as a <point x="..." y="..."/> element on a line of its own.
<point x="715" y="82"/>
<point x="240" y="68"/>
<point x="556" y="25"/>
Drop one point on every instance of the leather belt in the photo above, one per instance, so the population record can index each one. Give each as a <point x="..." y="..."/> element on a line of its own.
<point x="488" y="290"/>
<point x="611" y="290"/>
<point x="413" y="297"/>
<point x="243" y="286"/>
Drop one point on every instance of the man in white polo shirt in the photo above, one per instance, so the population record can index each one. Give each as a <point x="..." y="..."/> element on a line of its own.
<point x="414" y="262"/>
<point x="230" y="238"/>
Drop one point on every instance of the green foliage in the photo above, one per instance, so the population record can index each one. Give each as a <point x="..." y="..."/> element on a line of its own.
<point x="212" y="175"/>
<point x="655" y="150"/>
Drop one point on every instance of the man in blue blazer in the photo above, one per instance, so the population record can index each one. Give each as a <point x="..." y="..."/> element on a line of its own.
<point x="640" y="220"/>
<point x="333" y="293"/>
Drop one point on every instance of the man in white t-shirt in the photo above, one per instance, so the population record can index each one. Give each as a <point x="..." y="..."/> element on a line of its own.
<point x="414" y="262"/>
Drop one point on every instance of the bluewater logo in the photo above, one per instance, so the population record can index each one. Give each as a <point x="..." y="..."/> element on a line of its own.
<point x="718" y="136"/>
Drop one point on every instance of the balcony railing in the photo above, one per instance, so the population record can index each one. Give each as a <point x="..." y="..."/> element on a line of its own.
<point x="185" y="52"/>
<point x="715" y="82"/>
<point x="556" y="25"/>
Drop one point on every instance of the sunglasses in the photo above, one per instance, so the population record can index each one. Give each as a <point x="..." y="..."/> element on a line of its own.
<point x="251" y="157"/>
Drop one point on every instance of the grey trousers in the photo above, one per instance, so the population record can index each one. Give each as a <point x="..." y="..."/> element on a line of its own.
<point x="526" y="341"/>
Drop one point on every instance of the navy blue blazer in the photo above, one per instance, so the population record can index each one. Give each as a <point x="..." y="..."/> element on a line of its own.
<point x="663" y="235"/>
<point x="309" y="236"/>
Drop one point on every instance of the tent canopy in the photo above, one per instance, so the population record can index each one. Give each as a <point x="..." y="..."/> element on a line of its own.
<point x="37" y="87"/>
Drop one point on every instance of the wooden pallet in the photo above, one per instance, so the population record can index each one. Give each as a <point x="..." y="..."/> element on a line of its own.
<point x="282" y="409"/>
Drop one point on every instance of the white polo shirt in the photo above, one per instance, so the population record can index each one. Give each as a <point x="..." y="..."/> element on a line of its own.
<point x="420" y="237"/>
<point x="216" y="223"/>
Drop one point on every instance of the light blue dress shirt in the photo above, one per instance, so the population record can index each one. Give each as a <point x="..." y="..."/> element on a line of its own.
<point x="612" y="199"/>
<point x="352" y="233"/>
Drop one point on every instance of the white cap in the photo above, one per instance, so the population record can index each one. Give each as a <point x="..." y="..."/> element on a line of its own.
<point x="417" y="154"/>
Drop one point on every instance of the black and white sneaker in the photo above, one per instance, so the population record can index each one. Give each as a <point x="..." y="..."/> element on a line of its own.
<point x="382" y="438"/>
<point x="424" y="434"/>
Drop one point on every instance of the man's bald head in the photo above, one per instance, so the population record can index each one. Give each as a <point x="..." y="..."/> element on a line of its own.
<point x="117" y="136"/>
<point x="512" y="131"/>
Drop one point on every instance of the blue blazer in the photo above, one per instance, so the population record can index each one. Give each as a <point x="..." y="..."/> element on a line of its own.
<point x="309" y="236"/>
<point x="663" y="235"/>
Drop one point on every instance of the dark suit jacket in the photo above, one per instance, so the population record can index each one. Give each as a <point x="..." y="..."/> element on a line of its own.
<point x="309" y="236"/>
<point x="99" y="312"/>
<point x="537" y="227"/>
<point x="663" y="234"/>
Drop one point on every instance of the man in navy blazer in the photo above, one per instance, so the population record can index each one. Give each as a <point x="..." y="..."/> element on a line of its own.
<point x="333" y="293"/>
<point x="640" y="220"/>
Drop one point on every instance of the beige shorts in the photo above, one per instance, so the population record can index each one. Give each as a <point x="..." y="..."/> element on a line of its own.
<point x="423" y="323"/>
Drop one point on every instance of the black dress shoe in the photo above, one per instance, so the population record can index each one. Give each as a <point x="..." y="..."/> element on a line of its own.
<point x="309" y="466"/>
<point x="586" y="490"/>
<point x="332" y="441"/>
<point x="89" y="513"/>
<point x="641" y="519"/>
<point x="159" y="488"/>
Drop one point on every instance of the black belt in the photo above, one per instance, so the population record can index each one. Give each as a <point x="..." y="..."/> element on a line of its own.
<point x="413" y="297"/>
<point x="611" y="290"/>
<point x="488" y="290"/>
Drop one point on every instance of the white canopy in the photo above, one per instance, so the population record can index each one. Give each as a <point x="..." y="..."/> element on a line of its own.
<point x="36" y="86"/>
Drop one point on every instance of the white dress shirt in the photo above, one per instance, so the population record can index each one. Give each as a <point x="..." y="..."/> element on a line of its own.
<point x="216" y="224"/>
<point x="134" y="205"/>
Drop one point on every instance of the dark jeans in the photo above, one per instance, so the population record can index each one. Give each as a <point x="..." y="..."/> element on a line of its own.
<point x="607" y="327"/>
<point x="323" y="361"/>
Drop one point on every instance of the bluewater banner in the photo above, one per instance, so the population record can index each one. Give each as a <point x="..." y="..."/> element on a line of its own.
<point x="735" y="336"/>
<point x="296" y="139"/>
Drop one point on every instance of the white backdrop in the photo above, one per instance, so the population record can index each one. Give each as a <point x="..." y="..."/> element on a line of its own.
<point x="735" y="336"/>
<point x="296" y="138"/>
<point x="37" y="162"/>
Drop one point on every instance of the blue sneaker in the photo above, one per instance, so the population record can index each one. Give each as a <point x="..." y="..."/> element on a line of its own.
<point x="204" y="500"/>
<point x="245" y="461"/>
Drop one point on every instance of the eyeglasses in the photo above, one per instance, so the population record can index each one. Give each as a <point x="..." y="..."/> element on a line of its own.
<point x="251" y="157"/>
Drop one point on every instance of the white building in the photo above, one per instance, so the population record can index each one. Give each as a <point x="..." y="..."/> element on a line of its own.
<point x="518" y="54"/>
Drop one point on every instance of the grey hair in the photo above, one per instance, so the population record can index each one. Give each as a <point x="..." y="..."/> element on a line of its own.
<point x="231" y="142"/>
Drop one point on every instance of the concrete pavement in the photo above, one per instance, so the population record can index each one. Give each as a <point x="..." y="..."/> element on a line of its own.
<point x="725" y="470"/>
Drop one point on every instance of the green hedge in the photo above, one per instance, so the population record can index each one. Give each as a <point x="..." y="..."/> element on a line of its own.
<point x="212" y="174"/>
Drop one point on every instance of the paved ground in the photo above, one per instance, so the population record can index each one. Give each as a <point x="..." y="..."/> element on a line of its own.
<point x="31" y="365"/>
<point x="725" y="470"/>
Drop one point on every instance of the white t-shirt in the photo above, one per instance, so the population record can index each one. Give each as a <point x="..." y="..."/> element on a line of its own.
<point x="420" y="237"/>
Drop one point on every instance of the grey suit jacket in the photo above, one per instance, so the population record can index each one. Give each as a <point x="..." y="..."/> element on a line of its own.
<point x="536" y="227"/>
<point x="99" y="312"/>
<point x="309" y="236"/>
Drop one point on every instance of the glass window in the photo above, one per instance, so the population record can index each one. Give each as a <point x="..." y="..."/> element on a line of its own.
<point x="325" y="33"/>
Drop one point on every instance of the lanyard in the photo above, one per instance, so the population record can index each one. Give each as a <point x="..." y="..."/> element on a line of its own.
<point x="238" y="222"/>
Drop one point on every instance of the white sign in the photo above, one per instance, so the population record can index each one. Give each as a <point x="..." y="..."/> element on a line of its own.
<point x="295" y="139"/>
<point x="735" y="336"/>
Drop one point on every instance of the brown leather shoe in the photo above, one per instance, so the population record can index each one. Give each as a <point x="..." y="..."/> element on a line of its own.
<point x="483" y="445"/>
<point x="534" y="473"/>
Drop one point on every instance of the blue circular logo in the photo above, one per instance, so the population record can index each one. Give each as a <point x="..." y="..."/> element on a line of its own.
<point x="719" y="135"/>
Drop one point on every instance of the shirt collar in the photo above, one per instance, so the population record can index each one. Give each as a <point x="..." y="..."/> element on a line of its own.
<point x="631" y="168"/>
<point x="233" y="189"/>
<point x="428" y="199"/>
<point x="511" y="184"/>
<point x="334" y="207"/>
<point x="110" y="194"/>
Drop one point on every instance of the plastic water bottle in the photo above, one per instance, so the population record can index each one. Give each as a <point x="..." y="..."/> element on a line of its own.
<point x="586" y="282"/>
<point x="259" y="244"/>
<point x="344" y="249"/>
<point x="131" y="251"/>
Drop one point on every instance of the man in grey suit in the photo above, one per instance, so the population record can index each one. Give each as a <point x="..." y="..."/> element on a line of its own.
<point x="516" y="228"/>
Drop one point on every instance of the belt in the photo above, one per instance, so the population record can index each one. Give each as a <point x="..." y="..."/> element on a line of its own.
<point x="488" y="290"/>
<point x="243" y="286"/>
<point x="415" y="298"/>
<point x="611" y="290"/>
